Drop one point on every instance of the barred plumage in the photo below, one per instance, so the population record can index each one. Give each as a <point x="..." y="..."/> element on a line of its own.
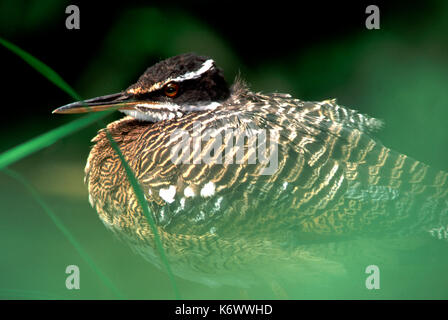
<point x="333" y="181"/>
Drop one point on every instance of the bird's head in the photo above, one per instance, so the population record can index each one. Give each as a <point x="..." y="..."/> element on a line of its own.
<point x="169" y="89"/>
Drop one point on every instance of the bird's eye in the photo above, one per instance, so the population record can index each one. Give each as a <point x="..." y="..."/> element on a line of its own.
<point x="171" y="89"/>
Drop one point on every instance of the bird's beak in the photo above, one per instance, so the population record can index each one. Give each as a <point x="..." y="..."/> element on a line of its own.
<point x="120" y="101"/>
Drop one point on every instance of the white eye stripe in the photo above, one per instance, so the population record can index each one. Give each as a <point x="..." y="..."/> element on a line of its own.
<point x="206" y="66"/>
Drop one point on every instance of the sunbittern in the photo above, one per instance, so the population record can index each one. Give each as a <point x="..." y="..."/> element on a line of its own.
<point x="225" y="216"/>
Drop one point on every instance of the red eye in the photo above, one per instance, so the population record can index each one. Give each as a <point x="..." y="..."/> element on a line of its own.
<point x="171" y="89"/>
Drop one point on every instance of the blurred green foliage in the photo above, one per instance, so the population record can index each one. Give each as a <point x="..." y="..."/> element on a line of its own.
<point x="398" y="74"/>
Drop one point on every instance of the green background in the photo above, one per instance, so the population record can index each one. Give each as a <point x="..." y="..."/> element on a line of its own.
<point x="398" y="74"/>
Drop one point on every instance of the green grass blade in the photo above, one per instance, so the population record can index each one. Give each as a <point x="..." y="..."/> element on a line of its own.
<point x="50" y="137"/>
<point x="46" y="139"/>
<point x="25" y="149"/>
<point x="41" y="68"/>
<point x="142" y="201"/>
<point x="60" y="225"/>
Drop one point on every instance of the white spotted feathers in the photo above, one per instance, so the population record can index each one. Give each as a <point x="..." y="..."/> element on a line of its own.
<point x="169" y="194"/>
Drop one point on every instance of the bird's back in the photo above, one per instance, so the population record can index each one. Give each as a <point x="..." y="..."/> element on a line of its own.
<point x="308" y="173"/>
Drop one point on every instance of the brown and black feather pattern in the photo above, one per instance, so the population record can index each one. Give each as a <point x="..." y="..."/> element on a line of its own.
<point x="334" y="181"/>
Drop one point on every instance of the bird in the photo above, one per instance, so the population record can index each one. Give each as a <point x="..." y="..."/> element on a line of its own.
<point x="246" y="185"/>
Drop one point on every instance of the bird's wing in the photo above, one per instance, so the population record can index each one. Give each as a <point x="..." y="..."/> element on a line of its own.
<point x="383" y="190"/>
<point x="330" y="175"/>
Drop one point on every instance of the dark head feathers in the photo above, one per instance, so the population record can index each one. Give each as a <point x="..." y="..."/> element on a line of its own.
<point x="198" y="77"/>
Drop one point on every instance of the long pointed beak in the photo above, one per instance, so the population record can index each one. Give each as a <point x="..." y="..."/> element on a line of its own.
<point x="120" y="101"/>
